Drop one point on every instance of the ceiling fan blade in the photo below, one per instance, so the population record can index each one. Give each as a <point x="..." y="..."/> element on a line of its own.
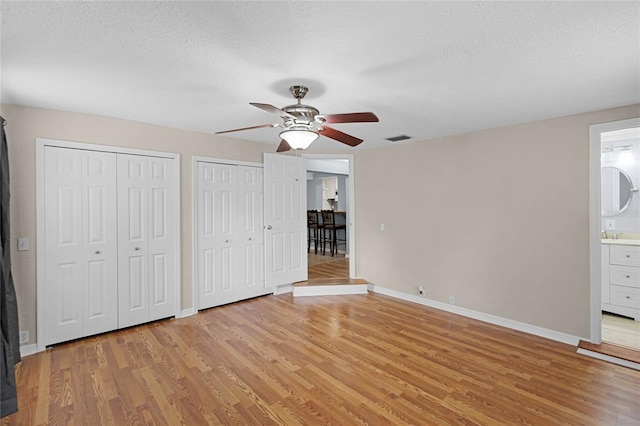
<point x="272" y="109"/>
<point x="353" y="117"/>
<point x="249" y="128"/>
<point x="284" y="146"/>
<point x="340" y="136"/>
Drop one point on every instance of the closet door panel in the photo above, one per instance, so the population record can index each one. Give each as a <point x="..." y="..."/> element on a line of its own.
<point x="100" y="245"/>
<point x="80" y="260"/>
<point x="133" y="244"/>
<point x="64" y="251"/>
<point x="216" y="215"/>
<point x="163" y="205"/>
<point x="250" y="232"/>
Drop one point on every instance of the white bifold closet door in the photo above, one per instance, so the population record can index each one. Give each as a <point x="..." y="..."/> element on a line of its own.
<point x="229" y="233"/>
<point x="81" y="243"/>
<point x="147" y="208"/>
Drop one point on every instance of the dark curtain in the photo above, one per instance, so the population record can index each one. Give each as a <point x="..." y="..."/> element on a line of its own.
<point x="10" y="347"/>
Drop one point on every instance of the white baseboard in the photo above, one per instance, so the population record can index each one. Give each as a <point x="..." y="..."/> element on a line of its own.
<point x="492" y="319"/>
<point x="26" y="350"/>
<point x="329" y="290"/>
<point x="187" y="312"/>
<point x="287" y="288"/>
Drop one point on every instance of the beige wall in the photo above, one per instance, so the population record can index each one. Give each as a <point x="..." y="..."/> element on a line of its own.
<point x="497" y="218"/>
<point x="25" y="124"/>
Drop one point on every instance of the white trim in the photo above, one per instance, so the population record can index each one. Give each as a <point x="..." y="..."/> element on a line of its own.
<point x="225" y="161"/>
<point x="104" y="148"/>
<point x="595" y="131"/>
<point x="282" y="289"/>
<point x="178" y="225"/>
<point x="187" y="312"/>
<point x="41" y="143"/>
<point x="194" y="227"/>
<point x="27" y="350"/>
<point x="352" y="204"/>
<point x="329" y="290"/>
<point x="491" y="319"/>
<point x="609" y="358"/>
<point x="40" y="244"/>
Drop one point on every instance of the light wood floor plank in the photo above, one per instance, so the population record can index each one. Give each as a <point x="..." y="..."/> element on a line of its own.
<point x="358" y="359"/>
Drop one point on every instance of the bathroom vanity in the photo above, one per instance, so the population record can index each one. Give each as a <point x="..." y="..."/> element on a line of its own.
<point x="621" y="277"/>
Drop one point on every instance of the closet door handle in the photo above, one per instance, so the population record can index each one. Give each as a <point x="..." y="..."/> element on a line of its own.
<point x="97" y="251"/>
<point x="249" y="238"/>
<point x="137" y="248"/>
<point x="226" y="241"/>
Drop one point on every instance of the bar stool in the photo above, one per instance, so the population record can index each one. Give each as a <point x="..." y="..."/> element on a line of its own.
<point x="314" y="229"/>
<point x="329" y="225"/>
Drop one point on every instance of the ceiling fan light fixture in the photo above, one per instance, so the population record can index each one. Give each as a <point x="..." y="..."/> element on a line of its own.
<point x="299" y="138"/>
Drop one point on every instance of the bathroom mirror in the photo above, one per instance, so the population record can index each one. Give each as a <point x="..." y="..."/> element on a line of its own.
<point x="616" y="191"/>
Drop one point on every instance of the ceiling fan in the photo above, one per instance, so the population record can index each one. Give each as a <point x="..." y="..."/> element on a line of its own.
<point x="303" y="124"/>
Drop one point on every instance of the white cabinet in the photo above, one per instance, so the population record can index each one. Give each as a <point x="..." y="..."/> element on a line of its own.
<point x="229" y="233"/>
<point x="109" y="257"/>
<point x="621" y="279"/>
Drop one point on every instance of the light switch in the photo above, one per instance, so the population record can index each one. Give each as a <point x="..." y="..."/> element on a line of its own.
<point x="23" y="244"/>
<point x="382" y="227"/>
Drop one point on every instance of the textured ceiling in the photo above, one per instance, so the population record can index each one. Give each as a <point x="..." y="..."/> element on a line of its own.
<point x="427" y="69"/>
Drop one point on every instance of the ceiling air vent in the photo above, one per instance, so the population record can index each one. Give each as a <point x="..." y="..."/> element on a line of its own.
<point x="398" y="138"/>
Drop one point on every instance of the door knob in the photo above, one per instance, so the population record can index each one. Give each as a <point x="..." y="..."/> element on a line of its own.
<point x="226" y="241"/>
<point x="97" y="251"/>
<point x="249" y="238"/>
<point x="137" y="248"/>
<point x="268" y="226"/>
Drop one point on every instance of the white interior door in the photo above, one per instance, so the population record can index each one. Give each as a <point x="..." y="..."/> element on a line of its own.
<point x="133" y="240"/>
<point x="215" y="212"/>
<point x="147" y="210"/>
<point x="80" y="253"/>
<point x="163" y="234"/>
<point x="285" y="197"/>
<point x="99" y="221"/>
<point x="249" y="235"/>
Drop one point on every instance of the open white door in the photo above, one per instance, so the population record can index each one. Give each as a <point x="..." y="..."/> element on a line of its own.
<point x="285" y="219"/>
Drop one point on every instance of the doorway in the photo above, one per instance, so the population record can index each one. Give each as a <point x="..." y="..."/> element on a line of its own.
<point x="330" y="183"/>
<point x="615" y="232"/>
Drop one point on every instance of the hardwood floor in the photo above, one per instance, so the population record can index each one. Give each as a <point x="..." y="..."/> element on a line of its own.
<point x="324" y="267"/>
<point x="341" y="360"/>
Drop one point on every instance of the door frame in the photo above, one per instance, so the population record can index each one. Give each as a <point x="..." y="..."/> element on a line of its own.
<point x="194" y="219"/>
<point x="351" y="203"/>
<point x="41" y="143"/>
<point x="595" y="132"/>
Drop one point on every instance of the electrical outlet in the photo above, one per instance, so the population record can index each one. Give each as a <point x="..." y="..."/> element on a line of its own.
<point x="452" y="300"/>
<point x="24" y="336"/>
<point x="382" y="227"/>
<point x="421" y="291"/>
